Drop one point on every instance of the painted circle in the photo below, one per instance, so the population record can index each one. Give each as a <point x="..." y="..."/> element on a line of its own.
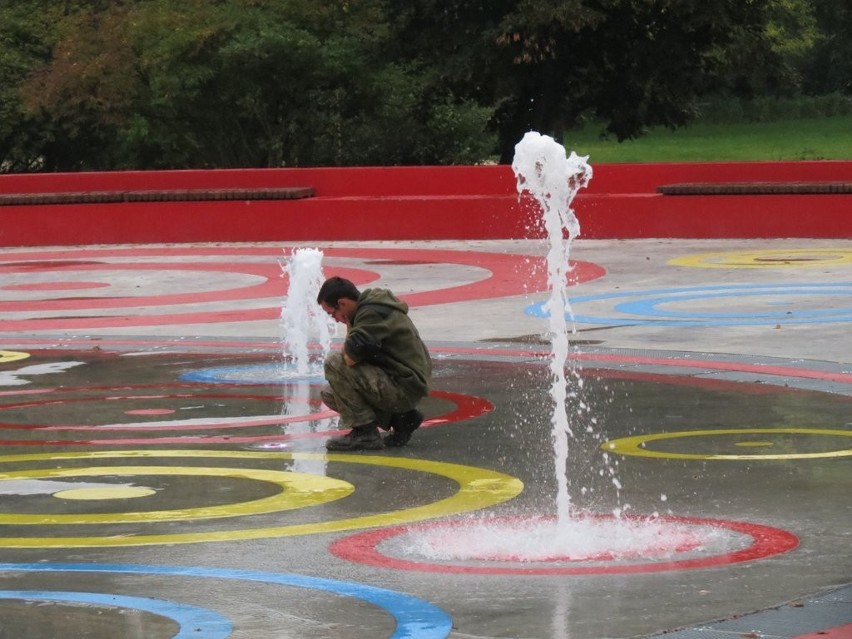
<point x="764" y="542"/>
<point x="12" y="356"/>
<point x="658" y="307"/>
<point x="171" y="424"/>
<point x="262" y="280"/>
<point x="414" y="617"/>
<point x="501" y="275"/>
<point x="637" y="446"/>
<point x="298" y="490"/>
<point x="95" y="494"/>
<point x="478" y="488"/>
<point x="467" y="407"/>
<point x="256" y="281"/>
<point x="150" y="411"/>
<point x="194" y="622"/>
<point x="766" y="258"/>
<point x="54" y="286"/>
<point x="250" y="374"/>
<point x="190" y="424"/>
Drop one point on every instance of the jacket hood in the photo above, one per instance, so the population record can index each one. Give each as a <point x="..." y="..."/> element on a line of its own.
<point x="382" y="296"/>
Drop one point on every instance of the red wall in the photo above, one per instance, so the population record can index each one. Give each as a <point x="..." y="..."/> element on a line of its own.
<point x="388" y="203"/>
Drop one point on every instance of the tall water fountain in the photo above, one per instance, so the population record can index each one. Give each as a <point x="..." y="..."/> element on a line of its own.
<point x="553" y="179"/>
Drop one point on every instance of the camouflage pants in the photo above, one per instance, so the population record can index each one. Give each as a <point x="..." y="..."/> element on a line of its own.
<point x="362" y="394"/>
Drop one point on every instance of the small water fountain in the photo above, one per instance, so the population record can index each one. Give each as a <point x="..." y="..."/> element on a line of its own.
<point x="306" y="333"/>
<point x="303" y="322"/>
<point x="301" y="318"/>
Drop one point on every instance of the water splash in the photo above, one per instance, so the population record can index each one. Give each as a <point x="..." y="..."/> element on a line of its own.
<point x="588" y="539"/>
<point x="302" y="321"/>
<point x="553" y="179"/>
<point x="301" y="318"/>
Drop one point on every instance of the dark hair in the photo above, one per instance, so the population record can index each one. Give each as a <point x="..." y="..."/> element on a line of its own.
<point x="335" y="288"/>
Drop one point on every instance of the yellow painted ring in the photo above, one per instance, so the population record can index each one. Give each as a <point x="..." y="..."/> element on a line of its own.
<point x="635" y="446"/>
<point x="768" y="258"/>
<point x="478" y="488"/>
<point x="298" y="490"/>
<point x="12" y="356"/>
<point x="97" y="494"/>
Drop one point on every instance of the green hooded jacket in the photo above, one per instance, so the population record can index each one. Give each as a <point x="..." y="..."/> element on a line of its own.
<point x="382" y="334"/>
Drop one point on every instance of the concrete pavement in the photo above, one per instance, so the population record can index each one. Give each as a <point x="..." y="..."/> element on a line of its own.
<point x="164" y="472"/>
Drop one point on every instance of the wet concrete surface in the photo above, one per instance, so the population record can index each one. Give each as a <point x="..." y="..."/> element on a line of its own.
<point x="164" y="473"/>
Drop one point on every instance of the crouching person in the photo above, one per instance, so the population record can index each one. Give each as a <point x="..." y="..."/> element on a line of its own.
<point x="382" y="372"/>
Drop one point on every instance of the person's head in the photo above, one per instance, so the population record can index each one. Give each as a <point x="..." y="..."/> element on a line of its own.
<point x="338" y="297"/>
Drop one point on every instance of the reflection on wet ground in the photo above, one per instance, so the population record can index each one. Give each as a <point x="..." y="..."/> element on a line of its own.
<point x="691" y="485"/>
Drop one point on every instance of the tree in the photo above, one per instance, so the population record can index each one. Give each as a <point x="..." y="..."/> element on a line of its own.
<point x="546" y="63"/>
<point x="25" y="39"/>
<point x="829" y="67"/>
<point x="203" y="83"/>
<point x="85" y="90"/>
<point x="94" y="84"/>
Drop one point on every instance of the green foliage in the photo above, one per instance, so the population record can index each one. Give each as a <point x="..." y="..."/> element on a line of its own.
<point x="804" y="47"/>
<point x="26" y="36"/>
<point x="544" y="64"/>
<point x="246" y="83"/>
<point x="829" y="66"/>
<point x="202" y="83"/>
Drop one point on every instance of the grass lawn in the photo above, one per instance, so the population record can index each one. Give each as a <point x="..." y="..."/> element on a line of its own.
<point x="826" y="138"/>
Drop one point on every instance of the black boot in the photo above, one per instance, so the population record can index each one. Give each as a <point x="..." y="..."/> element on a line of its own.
<point x="359" y="438"/>
<point x="403" y="425"/>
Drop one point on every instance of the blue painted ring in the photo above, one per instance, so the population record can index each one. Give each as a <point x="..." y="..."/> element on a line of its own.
<point x="195" y="622"/>
<point x="643" y="308"/>
<point x="414" y="617"/>
<point x="251" y="374"/>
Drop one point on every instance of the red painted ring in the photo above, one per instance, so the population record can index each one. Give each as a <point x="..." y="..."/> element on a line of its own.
<point x="766" y="541"/>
